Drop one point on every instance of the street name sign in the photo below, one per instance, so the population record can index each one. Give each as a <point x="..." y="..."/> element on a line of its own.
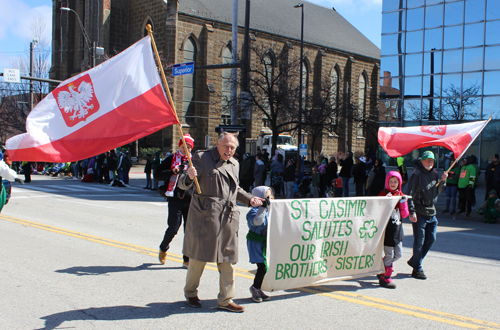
<point x="182" y="69"/>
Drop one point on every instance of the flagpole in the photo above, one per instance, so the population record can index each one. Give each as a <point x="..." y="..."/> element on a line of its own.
<point x="463" y="152"/>
<point x="162" y="73"/>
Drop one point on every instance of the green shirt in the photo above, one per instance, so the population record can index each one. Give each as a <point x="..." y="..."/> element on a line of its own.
<point x="453" y="176"/>
<point x="467" y="176"/>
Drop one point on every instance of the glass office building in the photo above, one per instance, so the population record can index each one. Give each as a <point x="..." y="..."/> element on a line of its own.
<point x="440" y="64"/>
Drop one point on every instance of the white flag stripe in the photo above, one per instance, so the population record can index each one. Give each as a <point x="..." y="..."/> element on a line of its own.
<point x="141" y="78"/>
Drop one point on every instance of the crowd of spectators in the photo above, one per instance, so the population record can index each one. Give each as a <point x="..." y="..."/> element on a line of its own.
<point x="103" y="168"/>
<point x="324" y="179"/>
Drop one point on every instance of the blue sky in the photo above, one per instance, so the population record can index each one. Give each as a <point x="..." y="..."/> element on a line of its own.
<point x="16" y="17"/>
<point x="15" y="21"/>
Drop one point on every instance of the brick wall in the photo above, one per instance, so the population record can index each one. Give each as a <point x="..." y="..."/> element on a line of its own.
<point x="124" y="23"/>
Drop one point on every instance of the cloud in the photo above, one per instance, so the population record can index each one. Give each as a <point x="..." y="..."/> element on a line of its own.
<point x="16" y="17"/>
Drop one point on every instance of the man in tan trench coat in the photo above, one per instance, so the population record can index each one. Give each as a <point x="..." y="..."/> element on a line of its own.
<point x="213" y="221"/>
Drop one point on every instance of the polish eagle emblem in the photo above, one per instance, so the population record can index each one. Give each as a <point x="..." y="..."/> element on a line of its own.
<point x="76" y="100"/>
<point x="434" y="130"/>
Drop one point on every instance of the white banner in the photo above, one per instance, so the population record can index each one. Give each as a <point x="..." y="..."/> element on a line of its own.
<point x="320" y="240"/>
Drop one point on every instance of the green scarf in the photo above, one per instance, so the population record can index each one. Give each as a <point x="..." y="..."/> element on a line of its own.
<point x="254" y="237"/>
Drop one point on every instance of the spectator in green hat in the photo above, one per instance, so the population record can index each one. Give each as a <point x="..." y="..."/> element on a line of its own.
<point x="424" y="191"/>
<point x="491" y="207"/>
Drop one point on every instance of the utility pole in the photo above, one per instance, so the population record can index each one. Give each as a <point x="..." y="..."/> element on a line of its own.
<point x="93" y="54"/>
<point x="246" y="50"/>
<point x="32" y="46"/>
<point x="234" y="71"/>
<point x="299" y="159"/>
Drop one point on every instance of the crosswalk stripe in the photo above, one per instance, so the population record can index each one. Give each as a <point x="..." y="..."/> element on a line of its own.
<point x="103" y="188"/>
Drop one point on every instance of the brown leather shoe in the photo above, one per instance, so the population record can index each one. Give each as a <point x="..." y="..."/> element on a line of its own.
<point x="232" y="307"/>
<point x="193" y="302"/>
<point x="162" y="256"/>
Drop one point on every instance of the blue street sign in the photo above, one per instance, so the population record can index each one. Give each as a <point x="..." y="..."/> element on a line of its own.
<point x="183" y="68"/>
<point x="303" y="149"/>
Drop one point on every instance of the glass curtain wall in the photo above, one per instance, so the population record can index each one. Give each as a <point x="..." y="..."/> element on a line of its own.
<point x="440" y="64"/>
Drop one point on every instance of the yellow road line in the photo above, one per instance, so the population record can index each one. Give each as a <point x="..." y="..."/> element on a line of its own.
<point x="456" y="320"/>
<point x="424" y="313"/>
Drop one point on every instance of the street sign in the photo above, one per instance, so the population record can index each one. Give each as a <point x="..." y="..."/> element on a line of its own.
<point x="303" y="150"/>
<point x="11" y="75"/>
<point x="182" y="69"/>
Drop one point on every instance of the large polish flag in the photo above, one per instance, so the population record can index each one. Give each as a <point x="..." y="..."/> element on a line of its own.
<point x="113" y="104"/>
<point x="399" y="141"/>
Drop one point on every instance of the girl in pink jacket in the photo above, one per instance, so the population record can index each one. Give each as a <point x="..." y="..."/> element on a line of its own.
<point x="393" y="242"/>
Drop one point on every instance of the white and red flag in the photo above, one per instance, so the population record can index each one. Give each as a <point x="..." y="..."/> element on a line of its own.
<point x="399" y="141"/>
<point x="113" y="104"/>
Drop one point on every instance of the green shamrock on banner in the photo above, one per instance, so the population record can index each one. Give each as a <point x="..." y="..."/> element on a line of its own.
<point x="368" y="230"/>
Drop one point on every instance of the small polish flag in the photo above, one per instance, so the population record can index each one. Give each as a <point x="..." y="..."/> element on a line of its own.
<point x="113" y="104"/>
<point x="399" y="141"/>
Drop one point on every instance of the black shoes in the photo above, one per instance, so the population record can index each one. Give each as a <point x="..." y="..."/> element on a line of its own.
<point x="193" y="302"/>
<point x="418" y="274"/>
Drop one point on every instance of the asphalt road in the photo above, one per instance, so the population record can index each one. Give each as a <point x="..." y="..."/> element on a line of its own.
<point x="85" y="256"/>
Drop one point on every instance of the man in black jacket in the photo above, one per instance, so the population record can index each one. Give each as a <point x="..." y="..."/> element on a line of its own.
<point x="345" y="172"/>
<point x="178" y="199"/>
<point x="359" y="174"/>
<point x="331" y="171"/>
<point x="424" y="191"/>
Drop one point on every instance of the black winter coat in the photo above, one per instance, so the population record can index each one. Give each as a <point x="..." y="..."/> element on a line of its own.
<point x="359" y="173"/>
<point x="331" y="172"/>
<point x="163" y="173"/>
<point x="378" y="182"/>
<point x="345" y="171"/>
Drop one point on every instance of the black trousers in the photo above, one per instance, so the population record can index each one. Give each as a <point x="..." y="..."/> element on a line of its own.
<point x="360" y="188"/>
<point x="466" y="198"/>
<point x="176" y="211"/>
<point x="259" y="276"/>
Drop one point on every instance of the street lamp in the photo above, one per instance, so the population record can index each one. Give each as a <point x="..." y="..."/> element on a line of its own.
<point x="300" y="5"/>
<point x="85" y="36"/>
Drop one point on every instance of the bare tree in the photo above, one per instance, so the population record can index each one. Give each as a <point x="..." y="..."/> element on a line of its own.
<point x="15" y="98"/>
<point x="274" y="88"/>
<point x="460" y="106"/>
<point x="456" y="105"/>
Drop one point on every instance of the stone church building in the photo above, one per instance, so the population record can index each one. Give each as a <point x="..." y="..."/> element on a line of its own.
<point x="200" y="31"/>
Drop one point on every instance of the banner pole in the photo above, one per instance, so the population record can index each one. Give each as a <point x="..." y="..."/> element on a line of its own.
<point x="164" y="79"/>
<point x="463" y="152"/>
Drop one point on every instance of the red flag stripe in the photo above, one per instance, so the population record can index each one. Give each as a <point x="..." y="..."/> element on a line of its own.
<point x="400" y="144"/>
<point x="138" y="117"/>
